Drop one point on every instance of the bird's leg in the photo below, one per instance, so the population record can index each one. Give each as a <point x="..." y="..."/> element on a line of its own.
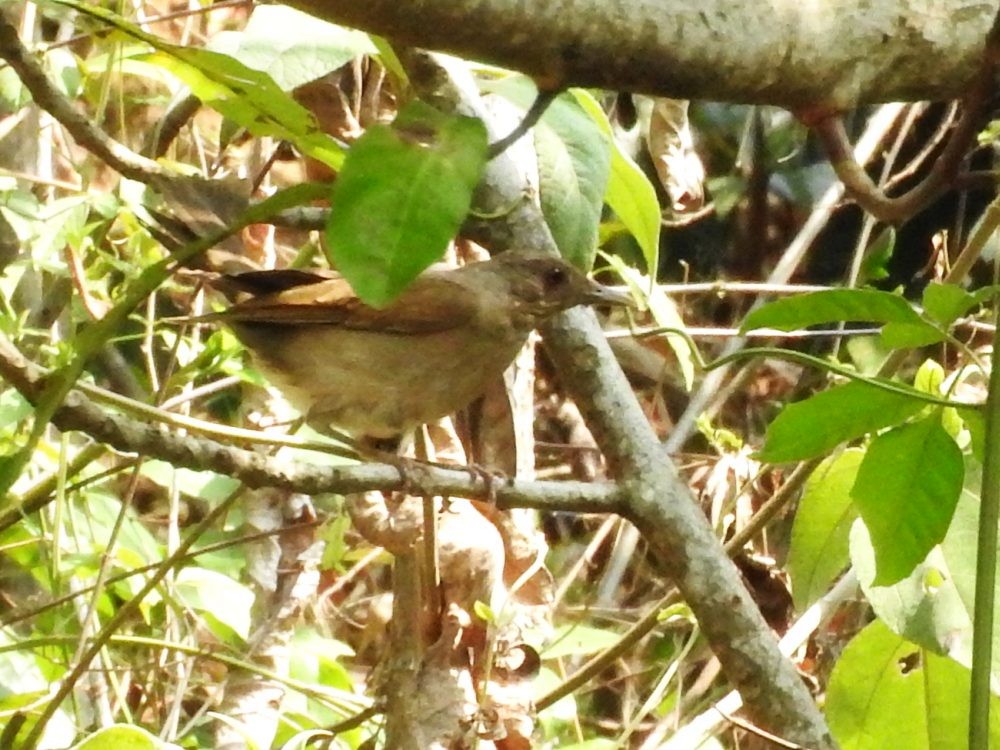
<point x="489" y="477"/>
<point x="387" y="450"/>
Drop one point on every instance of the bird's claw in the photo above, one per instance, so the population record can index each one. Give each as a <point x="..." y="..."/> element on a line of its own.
<point x="490" y="479"/>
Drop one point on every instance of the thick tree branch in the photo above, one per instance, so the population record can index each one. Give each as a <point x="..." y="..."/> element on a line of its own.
<point x="825" y="56"/>
<point x="857" y="183"/>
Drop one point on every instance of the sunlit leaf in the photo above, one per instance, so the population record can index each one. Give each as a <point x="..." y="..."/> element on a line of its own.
<point x="887" y="692"/>
<point x="402" y="195"/>
<point x="629" y="192"/>
<point x="574" y="161"/>
<point x="906" y="492"/>
<point x="832" y="306"/>
<point x="246" y="96"/>
<point x="821" y="422"/>
<point x="306" y="49"/>
<point x="820" y="533"/>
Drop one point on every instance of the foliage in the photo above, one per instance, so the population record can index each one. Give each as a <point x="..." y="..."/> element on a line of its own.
<point x="87" y="534"/>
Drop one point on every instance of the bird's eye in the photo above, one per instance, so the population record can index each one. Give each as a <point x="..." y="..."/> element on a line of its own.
<point x="554" y="278"/>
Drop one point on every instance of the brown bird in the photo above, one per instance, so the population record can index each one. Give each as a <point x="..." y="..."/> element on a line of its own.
<point x="377" y="373"/>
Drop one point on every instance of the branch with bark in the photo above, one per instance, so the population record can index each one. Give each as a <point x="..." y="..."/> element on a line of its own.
<point x="130" y="435"/>
<point x="656" y="499"/>
<point x="831" y="56"/>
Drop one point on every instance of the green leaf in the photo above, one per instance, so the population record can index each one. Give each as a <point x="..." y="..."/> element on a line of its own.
<point x="832" y="306"/>
<point x="578" y="640"/>
<point x="959" y="548"/>
<point x="484" y="612"/>
<point x="13" y="408"/>
<point x="574" y="159"/>
<point x="822" y="527"/>
<point x="206" y="485"/>
<point x="910" y="335"/>
<point x="820" y="423"/>
<point x="876" y="262"/>
<point x="925" y="607"/>
<point x="217" y="595"/>
<point x="975" y="423"/>
<point x="573" y="168"/>
<point x="906" y="491"/>
<point x="933" y="606"/>
<point x="123" y="737"/>
<point x="306" y="49"/>
<point x="13" y="93"/>
<point x="317" y="659"/>
<point x="401" y="197"/>
<point x="886" y="692"/>
<point x="946" y="303"/>
<point x="629" y="192"/>
<point x="247" y="97"/>
<point x="929" y="378"/>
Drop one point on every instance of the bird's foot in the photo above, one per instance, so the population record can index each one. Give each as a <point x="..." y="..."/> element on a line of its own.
<point x="490" y="478"/>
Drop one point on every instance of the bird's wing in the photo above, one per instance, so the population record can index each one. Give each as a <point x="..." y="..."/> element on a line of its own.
<point x="259" y="283"/>
<point x="431" y="304"/>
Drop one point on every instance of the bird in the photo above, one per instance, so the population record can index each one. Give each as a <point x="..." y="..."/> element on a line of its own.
<point x="376" y="373"/>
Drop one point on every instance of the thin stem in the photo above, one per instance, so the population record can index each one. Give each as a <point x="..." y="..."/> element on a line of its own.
<point x="125" y="611"/>
<point x="986" y="562"/>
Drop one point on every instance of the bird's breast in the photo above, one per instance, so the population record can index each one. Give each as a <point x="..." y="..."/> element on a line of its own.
<point x="379" y="384"/>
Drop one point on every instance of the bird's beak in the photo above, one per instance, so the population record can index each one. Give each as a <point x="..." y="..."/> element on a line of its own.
<point x="605" y="295"/>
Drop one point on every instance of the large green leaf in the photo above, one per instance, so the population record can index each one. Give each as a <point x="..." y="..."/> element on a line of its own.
<point x="819" y="546"/>
<point x="306" y="48"/>
<point x="402" y="195"/>
<point x="886" y="692"/>
<point x="820" y="423"/>
<point x="574" y="159"/>
<point x="906" y="492"/>
<point x="629" y="193"/>
<point x="925" y="607"/>
<point x="217" y="595"/>
<point x="905" y="326"/>
<point x="573" y="167"/>
<point x="945" y="303"/>
<point x="959" y="549"/>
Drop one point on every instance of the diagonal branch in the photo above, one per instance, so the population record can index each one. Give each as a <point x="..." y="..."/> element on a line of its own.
<point x="656" y="499"/>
